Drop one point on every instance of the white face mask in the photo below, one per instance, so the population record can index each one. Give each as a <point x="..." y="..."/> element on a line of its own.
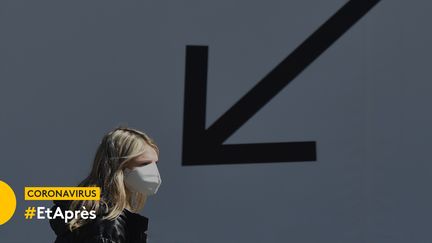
<point x="145" y="179"/>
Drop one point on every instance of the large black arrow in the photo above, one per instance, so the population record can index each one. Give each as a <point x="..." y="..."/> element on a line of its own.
<point x="203" y="146"/>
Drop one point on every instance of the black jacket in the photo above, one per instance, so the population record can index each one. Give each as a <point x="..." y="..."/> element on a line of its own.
<point x="129" y="227"/>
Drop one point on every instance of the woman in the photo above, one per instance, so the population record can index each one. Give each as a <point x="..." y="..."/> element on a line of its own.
<point x="125" y="169"/>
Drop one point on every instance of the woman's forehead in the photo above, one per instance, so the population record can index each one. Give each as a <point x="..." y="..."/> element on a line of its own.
<point x="148" y="154"/>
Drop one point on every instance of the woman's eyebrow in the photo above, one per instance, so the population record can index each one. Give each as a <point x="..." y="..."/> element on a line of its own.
<point x="144" y="161"/>
<point x="147" y="160"/>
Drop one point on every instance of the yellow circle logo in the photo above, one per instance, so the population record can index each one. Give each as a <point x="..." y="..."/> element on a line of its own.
<point x="7" y="202"/>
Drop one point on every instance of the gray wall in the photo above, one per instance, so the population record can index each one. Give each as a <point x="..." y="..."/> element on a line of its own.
<point x="72" y="70"/>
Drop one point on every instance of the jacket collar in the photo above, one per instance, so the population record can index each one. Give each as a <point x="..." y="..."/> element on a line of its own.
<point x="134" y="220"/>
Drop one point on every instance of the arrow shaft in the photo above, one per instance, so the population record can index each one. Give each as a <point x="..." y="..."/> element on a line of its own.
<point x="288" y="69"/>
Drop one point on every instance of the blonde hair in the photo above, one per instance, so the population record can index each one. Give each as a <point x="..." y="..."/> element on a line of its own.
<point x="116" y="149"/>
